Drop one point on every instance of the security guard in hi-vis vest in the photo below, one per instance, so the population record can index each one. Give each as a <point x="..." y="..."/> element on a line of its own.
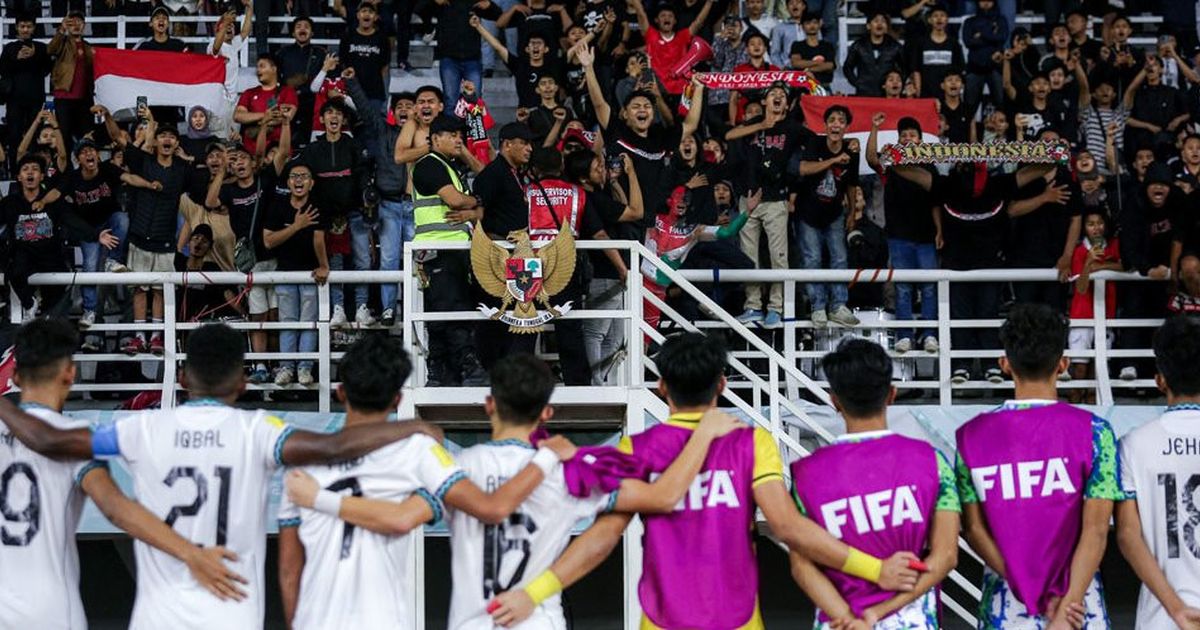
<point x="443" y="209"/>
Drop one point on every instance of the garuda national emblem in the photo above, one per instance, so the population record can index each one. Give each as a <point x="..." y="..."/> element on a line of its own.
<point x="522" y="278"/>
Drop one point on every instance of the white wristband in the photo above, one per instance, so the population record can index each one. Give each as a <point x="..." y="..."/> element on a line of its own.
<point x="328" y="502"/>
<point x="545" y="459"/>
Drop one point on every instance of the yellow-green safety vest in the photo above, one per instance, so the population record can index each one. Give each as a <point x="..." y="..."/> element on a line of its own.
<point x="429" y="211"/>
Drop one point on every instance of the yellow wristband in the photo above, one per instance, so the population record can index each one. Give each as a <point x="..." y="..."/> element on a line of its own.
<point x="543" y="587"/>
<point x="862" y="565"/>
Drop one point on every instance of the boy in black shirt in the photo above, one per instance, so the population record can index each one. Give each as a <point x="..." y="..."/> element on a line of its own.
<point x="293" y="231"/>
<point x="526" y="69"/>
<point x="33" y="232"/>
<point x="366" y="49"/>
<point x="817" y="57"/>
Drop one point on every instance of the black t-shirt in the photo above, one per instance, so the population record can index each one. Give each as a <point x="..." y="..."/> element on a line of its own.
<point x="958" y="121"/>
<point x="768" y="153"/>
<point x="1066" y="100"/>
<point x="1185" y="224"/>
<point x="649" y="155"/>
<point x="1053" y="115"/>
<point x="34" y="233"/>
<point x="823" y="49"/>
<point x="607" y="211"/>
<point x="1039" y="236"/>
<point x="934" y="61"/>
<point x="539" y="21"/>
<point x="171" y="45"/>
<point x="526" y="76"/>
<point x="974" y="226"/>
<point x="297" y="253"/>
<point x="1158" y="104"/>
<point x="500" y="193"/>
<point x="541" y="121"/>
<point x="93" y="200"/>
<point x="822" y="194"/>
<point x="368" y="55"/>
<point x="241" y="204"/>
<point x="908" y="208"/>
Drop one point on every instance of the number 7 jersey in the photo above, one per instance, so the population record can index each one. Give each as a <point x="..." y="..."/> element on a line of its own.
<point x="204" y="468"/>
<point x="1160" y="467"/>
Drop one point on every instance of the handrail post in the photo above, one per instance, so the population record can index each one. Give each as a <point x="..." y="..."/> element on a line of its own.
<point x="945" y="345"/>
<point x="121" y="33"/>
<point x="324" y="345"/>
<point x="635" y="338"/>
<point x="408" y="328"/>
<point x="170" y="360"/>
<point x="1104" y="395"/>
<point x="789" y="337"/>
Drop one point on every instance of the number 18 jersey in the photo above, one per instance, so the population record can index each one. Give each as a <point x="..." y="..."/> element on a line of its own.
<point x="487" y="560"/>
<point x="204" y="469"/>
<point x="39" y="564"/>
<point x="1160" y="467"/>
<point x="354" y="578"/>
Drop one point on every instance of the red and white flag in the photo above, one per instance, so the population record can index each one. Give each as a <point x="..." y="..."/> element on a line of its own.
<point x="164" y="78"/>
<point x="862" y="108"/>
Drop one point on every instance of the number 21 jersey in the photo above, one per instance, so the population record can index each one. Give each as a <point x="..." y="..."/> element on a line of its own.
<point x="39" y="563"/>
<point x="354" y="578"/>
<point x="1160" y="467"/>
<point x="204" y="469"/>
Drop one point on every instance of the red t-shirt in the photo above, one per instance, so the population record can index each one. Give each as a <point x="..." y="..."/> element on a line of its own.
<point x="665" y="54"/>
<point x="1081" y="303"/>
<point x="256" y="100"/>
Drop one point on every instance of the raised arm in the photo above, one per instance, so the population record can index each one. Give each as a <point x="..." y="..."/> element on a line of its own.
<point x="642" y="20"/>
<point x="496" y="44"/>
<point x="698" y="24"/>
<point x="44" y="439"/>
<point x="1010" y="90"/>
<point x="212" y="200"/>
<point x="691" y="122"/>
<point x="586" y="58"/>
<point x="390" y="518"/>
<point x="27" y="139"/>
<point x="877" y="119"/>
<point x="1131" y="92"/>
<point x="307" y="447"/>
<point x="206" y="564"/>
<point x="635" y="208"/>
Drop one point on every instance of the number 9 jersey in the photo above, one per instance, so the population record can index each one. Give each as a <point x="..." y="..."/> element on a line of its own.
<point x="204" y="468"/>
<point x="40" y="501"/>
<point x="1160" y="468"/>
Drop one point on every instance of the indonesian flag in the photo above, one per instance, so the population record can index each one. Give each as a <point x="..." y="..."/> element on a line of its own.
<point x="862" y="108"/>
<point x="164" y="78"/>
<point x="8" y="368"/>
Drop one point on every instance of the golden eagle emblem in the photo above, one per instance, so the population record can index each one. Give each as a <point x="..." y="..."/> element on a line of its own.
<point x="522" y="278"/>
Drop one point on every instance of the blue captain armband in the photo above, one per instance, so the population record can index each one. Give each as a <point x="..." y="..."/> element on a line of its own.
<point x="104" y="442"/>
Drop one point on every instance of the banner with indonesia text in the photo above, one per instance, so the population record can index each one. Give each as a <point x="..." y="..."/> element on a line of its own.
<point x="862" y="108"/>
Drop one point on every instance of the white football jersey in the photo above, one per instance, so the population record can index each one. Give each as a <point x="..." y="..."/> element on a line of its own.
<point x="490" y="559"/>
<point x="354" y="578"/>
<point x="1160" y="466"/>
<point x="40" y="502"/>
<point x="204" y="468"/>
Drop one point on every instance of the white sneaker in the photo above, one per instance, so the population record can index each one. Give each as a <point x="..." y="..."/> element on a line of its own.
<point x="931" y="345"/>
<point x="844" y="316"/>
<point x="113" y="266"/>
<point x="1128" y="373"/>
<point x="31" y="313"/>
<point x="87" y="320"/>
<point x="363" y="316"/>
<point x="819" y="318"/>
<point x="995" y="376"/>
<point x="960" y="376"/>
<point x="902" y="346"/>
<point x="388" y="318"/>
<point x="338" y="319"/>
<point x="284" y="376"/>
<point x="304" y="376"/>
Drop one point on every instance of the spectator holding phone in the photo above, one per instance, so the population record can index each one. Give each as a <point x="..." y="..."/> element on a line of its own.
<point x="255" y="104"/>
<point x="24" y="63"/>
<point x="71" y="76"/>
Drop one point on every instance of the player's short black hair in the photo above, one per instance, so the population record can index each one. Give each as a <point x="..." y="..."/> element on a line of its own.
<point x="372" y="372"/>
<point x="860" y="374"/>
<point x="1033" y="337"/>
<point x="691" y="366"/>
<point x="215" y="354"/>
<point x="635" y="94"/>
<point x="546" y="161"/>
<point x="755" y="34"/>
<point x="403" y="96"/>
<point x="521" y="388"/>
<point x="43" y="347"/>
<point x="1176" y="354"/>
<point x="269" y="57"/>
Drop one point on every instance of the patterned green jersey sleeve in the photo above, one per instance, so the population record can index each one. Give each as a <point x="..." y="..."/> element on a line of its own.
<point x="947" y="489"/>
<point x="1104" y="481"/>
<point x="962" y="474"/>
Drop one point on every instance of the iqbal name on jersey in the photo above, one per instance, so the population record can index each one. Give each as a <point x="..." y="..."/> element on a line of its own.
<point x="198" y="439"/>
<point x="710" y="489"/>
<point x="1182" y="446"/>
<point x="873" y="512"/>
<point x="1024" y="479"/>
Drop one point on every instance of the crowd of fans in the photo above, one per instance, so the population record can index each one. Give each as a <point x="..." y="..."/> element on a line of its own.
<point x="320" y="168"/>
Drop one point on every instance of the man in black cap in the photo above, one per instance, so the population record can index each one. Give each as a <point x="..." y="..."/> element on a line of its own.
<point x="160" y="34"/>
<point x="443" y="209"/>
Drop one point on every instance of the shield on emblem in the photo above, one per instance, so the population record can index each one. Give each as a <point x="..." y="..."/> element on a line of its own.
<point x="524" y="278"/>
